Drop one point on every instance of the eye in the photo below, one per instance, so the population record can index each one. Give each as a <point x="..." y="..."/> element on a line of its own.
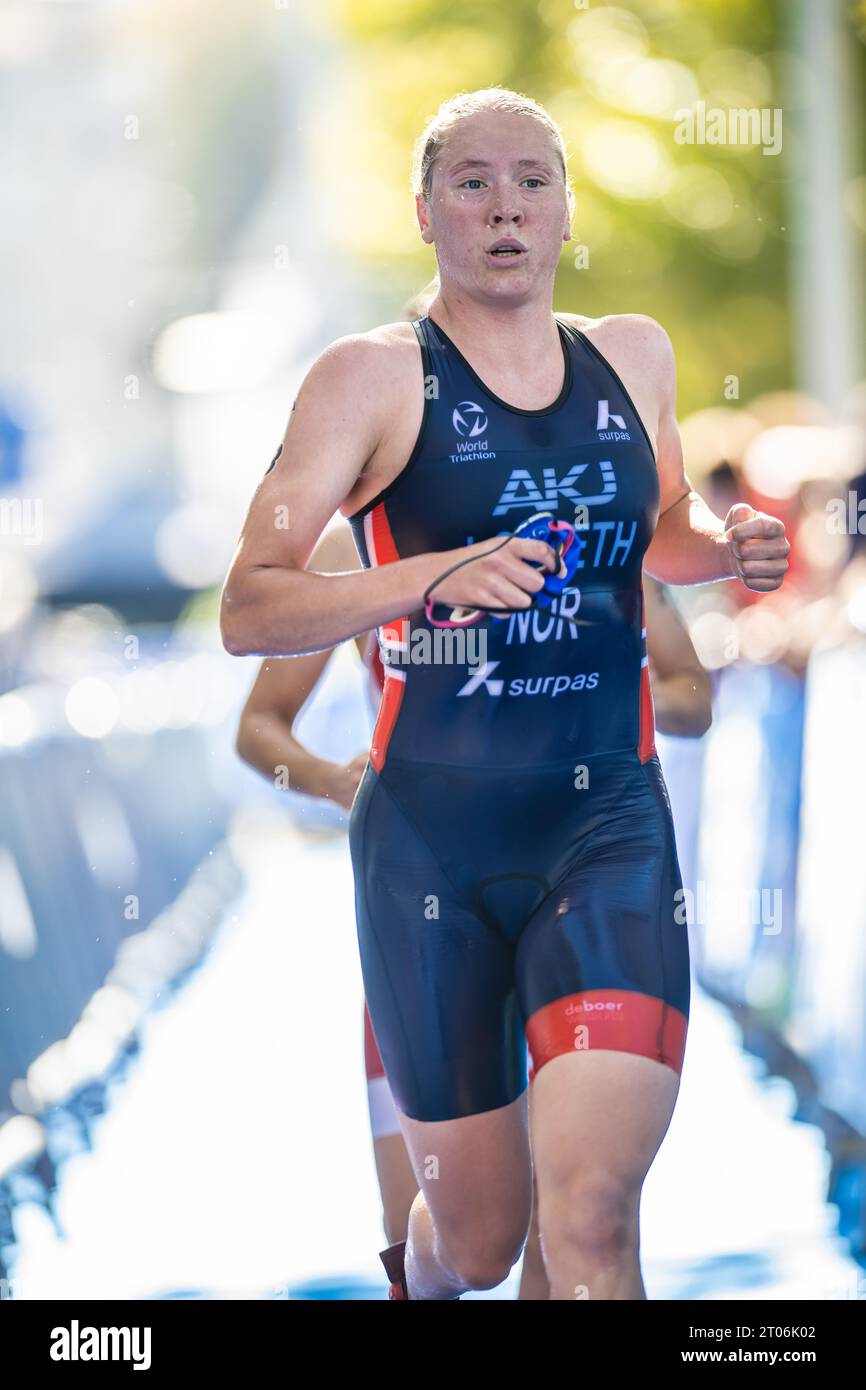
<point x="533" y="178"/>
<point x="474" y="179"/>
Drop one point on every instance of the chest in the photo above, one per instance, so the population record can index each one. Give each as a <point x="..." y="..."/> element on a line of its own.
<point x="479" y="471"/>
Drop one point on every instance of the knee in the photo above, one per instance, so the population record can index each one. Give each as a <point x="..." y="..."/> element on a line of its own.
<point x="482" y="1260"/>
<point x="597" y="1217"/>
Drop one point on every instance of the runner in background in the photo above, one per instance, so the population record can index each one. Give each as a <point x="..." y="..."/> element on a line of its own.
<point x="267" y="740"/>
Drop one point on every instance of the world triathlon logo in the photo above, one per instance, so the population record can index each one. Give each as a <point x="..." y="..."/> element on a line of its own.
<point x="469" y="420"/>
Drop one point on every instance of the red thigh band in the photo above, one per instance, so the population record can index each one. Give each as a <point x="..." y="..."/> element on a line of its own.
<point x="372" y="1060"/>
<point x="608" y="1020"/>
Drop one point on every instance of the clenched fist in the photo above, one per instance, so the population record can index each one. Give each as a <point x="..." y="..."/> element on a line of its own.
<point x="757" y="547"/>
<point x="346" y="781"/>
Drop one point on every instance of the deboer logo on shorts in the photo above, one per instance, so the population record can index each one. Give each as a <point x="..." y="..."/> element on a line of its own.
<point x="594" y="1006"/>
<point x="583" y="1012"/>
<point x="530" y="685"/>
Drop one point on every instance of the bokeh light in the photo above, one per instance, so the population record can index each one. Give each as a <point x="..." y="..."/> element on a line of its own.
<point x="221" y="351"/>
<point x="91" y="707"/>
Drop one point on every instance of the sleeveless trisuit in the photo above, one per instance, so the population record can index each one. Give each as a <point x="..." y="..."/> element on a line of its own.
<point x="511" y="838"/>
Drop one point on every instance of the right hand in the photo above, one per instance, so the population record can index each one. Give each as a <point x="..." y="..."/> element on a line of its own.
<point x="347" y="780"/>
<point x="499" y="577"/>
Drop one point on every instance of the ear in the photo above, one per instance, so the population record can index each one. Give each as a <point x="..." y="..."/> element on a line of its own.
<point x="422" y="212"/>
<point x="571" y="203"/>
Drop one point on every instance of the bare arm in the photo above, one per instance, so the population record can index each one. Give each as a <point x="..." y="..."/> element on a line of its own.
<point x="271" y="606"/>
<point x="266" y="738"/>
<point x="680" y="685"/>
<point x="691" y="544"/>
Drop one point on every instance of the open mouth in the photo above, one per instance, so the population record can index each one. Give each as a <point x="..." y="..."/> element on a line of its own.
<point x="506" y="253"/>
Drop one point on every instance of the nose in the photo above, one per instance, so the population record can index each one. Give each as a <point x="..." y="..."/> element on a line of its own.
<point x="504" y="212"/>
<point x="505" y="207"/>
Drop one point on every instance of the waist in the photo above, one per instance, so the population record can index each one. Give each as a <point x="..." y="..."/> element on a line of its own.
<point x="498" y="715"/>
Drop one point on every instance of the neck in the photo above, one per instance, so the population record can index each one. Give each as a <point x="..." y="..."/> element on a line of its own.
<point x="516" y="332"/>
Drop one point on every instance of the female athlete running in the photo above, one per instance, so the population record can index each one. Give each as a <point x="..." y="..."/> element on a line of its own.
<point x="268" y="740"/>
<point x="513" y="850"/>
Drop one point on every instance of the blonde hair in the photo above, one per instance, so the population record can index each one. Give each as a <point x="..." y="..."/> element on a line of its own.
<point x="430" y="142"/>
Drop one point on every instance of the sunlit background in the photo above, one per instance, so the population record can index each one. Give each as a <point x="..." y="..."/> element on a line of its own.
<point x="197" y="200"/>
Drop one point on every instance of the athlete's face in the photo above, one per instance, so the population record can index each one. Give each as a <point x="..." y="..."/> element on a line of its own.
<point x="498" y="177"/>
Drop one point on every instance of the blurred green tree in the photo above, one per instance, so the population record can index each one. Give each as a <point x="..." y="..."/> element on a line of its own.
<point x="695" y="234"/>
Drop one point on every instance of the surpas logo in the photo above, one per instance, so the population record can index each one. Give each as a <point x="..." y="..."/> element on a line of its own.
<point x="542" y="489"/>
<point x="528" y="685"/>
<point x="603" y="423"/>
<point x="469" y="420"/>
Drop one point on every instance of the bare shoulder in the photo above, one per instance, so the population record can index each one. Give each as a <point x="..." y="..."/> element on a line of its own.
<point x="388" y="339"/>
<point x="376" y="385"/>
<point x="357" y="384"/>
<point x="393" y="335"/>
<point x="368" y="358"/>
<point x="396" y="346"/>
<point x="373" y="374"/>
<point x="628" y="332"/>
<point x="634" y="344"/>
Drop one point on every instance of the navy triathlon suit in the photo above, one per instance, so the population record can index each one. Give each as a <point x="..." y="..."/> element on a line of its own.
<point x="512" y="841"/>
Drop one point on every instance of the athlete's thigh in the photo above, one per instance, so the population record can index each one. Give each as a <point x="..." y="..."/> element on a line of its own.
<point x="605" y="980"/>
<point x="439" y="981"/>
<point x="603" y="975"/>
<point x="597" y="1121"/>
<point x="603" y="964"/>
<point x="475" y="1173"/>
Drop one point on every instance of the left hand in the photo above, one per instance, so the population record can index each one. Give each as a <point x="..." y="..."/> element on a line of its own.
<point x="757" y="547"/>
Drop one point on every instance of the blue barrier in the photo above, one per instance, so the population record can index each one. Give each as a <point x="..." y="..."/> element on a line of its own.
<point x="782" y="866"/>
<point x="749" y="829"/>
<point x="826" y="1022"/>
<point x="80" y="839"/>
